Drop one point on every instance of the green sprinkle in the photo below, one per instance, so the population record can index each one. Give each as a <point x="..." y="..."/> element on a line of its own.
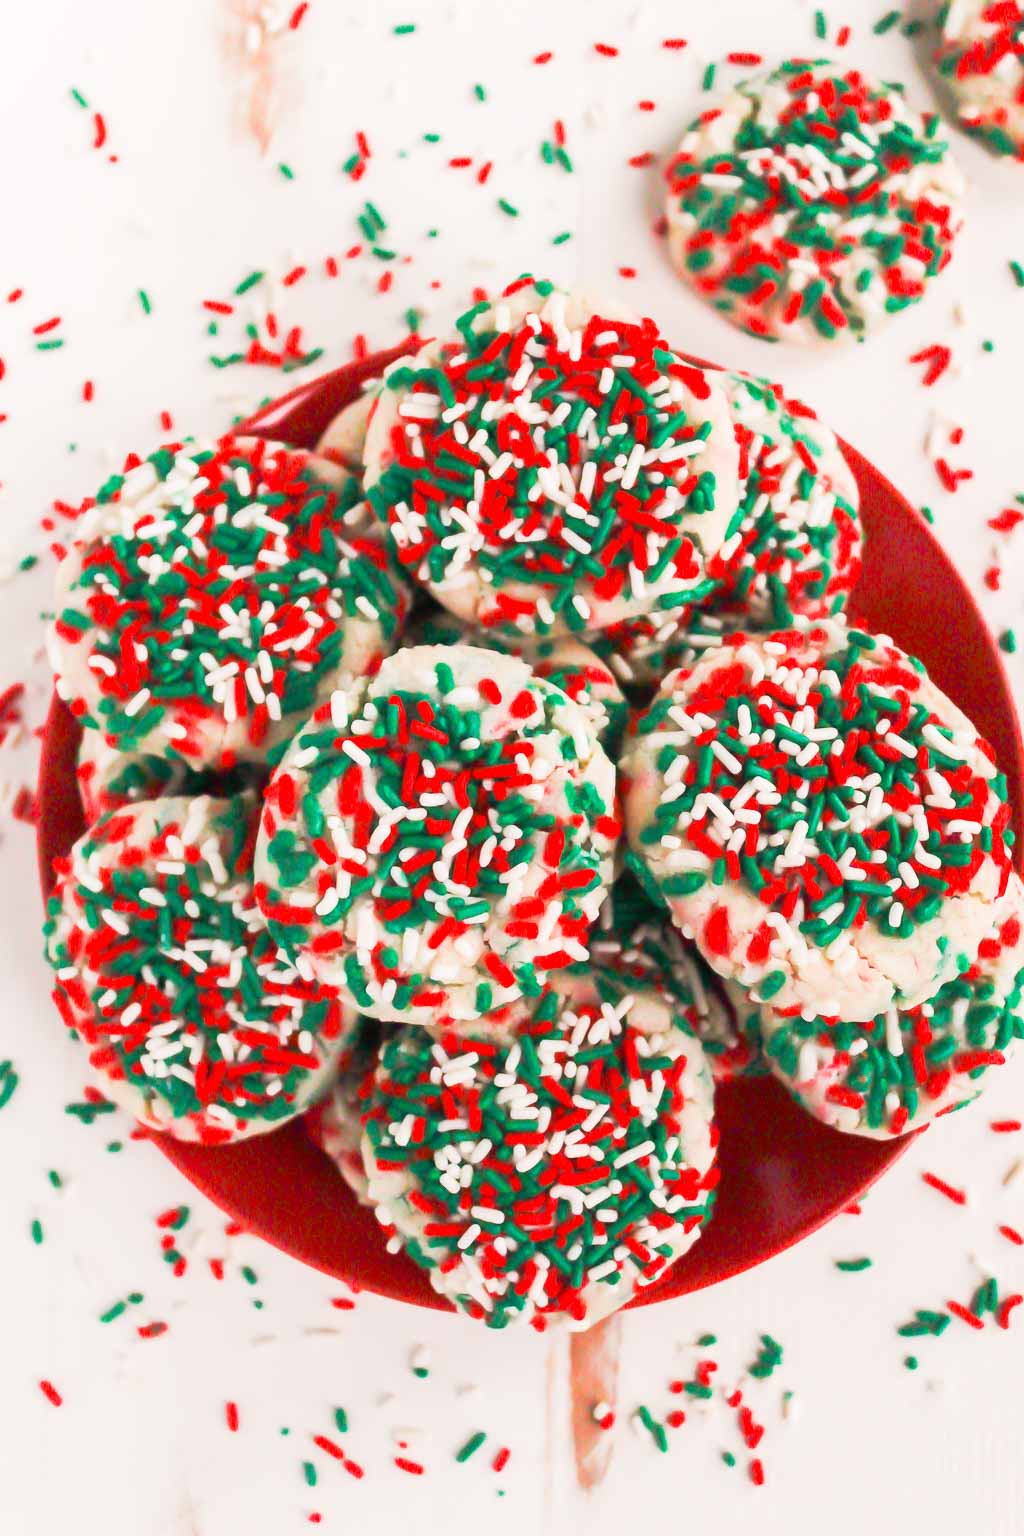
<point x="479" y="93"/>
<point x="911" y="1362"/>
<point x="55" y="1179"/>
<point x="563" y="237"/>
<point x="820" y="25"/>
<point x="709" y="77"/>
<point x="471" y="1446"/>
<point x="507" y="207"/>
<point x="729" y="1458"/>
<point x="8" y="1082"/>
<point x="49" y="346"/>
<point x="308" y="1472"/>
<point x="432" y="138"/>
<point x="928" y="514"/>
<point x="853" y="1266"/>
<point x="249" y="1275"/>
<point x="654" y="1428"/>
<point x="421" y="1371"/>
<point x="1008" y="642"/>
<point x="37" y="1231"/>
<point x="988" y="346"/>
<point x="404" y="28"/>
<point x="286" y="171"/>
<point x="341" y="1421"/>
<point x="1017" y="268"/>
<point x="249" y="282"/>
<point x="886" y="23"/>
<point x="769" y="1356"/>
<point x="145" y="301"/>
<point x="706" y="1340"/>
<point x="77" y="96"/>
<point x="28" y="562"/>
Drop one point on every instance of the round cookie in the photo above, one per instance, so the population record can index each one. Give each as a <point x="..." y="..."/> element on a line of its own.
<point x="564" y="661"/>
<point x="981" y="58"/>
<point x="555" y="469"/>
<point x="907" y="1067"/>
<point x="213" y="594"/>
<point x="195" y="1022"/>
<point x="821" y="820"/>
<point x="548" y="1179"/>
<point x="808" y="203"/>
<point x="794" y="544"/>
<point x="439" y="838"/>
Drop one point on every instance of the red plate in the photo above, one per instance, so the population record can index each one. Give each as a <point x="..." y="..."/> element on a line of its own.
<point x="783" y="1174"/>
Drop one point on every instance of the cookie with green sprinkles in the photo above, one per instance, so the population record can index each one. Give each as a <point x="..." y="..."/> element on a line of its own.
<point x="193" y="1019"/>
<point x="555" y="468"/>
<point x="213" y="594"/>
<point x="654" y="955"/>
<point x="439" y="838"/>
<point x="980" y="57"/>
<point x="907" y="1067"/>
<point x="565" y="661"/>
<point x="821" y="820"/>
<point x="810" y="203"/>
<point x="545" y="1180"/>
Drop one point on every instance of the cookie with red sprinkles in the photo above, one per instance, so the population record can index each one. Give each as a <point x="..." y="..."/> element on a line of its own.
<point x="809" y="203"/>
<point x="906" y="1067"/>
<point x="213" y="594"/>
<point x="553" y="469"/>
<point x="439" y="838"/>
<point x="821" y="820"/>
<point x="193" y="1019"/>
<point x="565" y="661"/>
<point x="981" y="59"/>
<point x="547" y="1179"/>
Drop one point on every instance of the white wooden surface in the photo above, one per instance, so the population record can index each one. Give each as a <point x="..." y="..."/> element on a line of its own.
<point x="202" y="102"/>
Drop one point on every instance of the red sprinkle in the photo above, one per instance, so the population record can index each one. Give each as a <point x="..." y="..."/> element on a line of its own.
<point x="744" y="58"/>
<point x="1007" y="1306"/>
<point x="231" y="1416"/>
<point x="606" y="50"/>
<point x="674" y="42"/>
<point x="938" y="359"/>
<point x="501" y="1458"/>
<point x="958" y="1196"/>
<point x="964" y="1314"/>
<point x="295" y="19"/>
<point x="757" y="1472"/>
<point x="1012" y="1235"/>
<point x="51" y="1394"/>
<point x="405" y="1465"/>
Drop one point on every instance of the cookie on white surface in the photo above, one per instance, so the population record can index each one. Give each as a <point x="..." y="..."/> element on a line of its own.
<point x="809" y="203"/>
<point x="981" y="58"/>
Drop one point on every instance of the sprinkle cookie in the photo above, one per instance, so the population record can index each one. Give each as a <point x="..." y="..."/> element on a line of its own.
<point x="194" y="1021"/>
<point x="549" y="1179"/>
<point x="556" y="469"/>
<point x="981" y="58"/>
<point x="212" y="595"/>
<point x="794" y="544"/>
<point x="821" y="820"/>
<point x="439" y="837"/>
<point x="809" y="203"/>
<point x="905" y="1068"/>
